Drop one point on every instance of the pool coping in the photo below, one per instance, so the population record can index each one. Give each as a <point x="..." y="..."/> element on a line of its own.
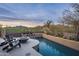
<point x="69" y="43"/>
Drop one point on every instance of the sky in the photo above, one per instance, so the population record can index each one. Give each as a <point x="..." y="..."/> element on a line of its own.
<point x="30" y="14"/>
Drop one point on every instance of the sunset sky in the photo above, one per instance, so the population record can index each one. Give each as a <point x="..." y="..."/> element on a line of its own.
<point x="30" y="14"/>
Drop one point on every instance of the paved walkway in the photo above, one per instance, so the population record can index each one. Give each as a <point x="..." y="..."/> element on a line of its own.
<point x="25" y="50"/>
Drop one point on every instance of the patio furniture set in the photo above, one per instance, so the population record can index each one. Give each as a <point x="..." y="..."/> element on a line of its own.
<point x="10" y="43"/>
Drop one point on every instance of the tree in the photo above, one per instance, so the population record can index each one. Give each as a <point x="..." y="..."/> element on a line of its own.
<point x="47" y="26"/>
<point x="0" y="30"/>
<point x="71" y="18"/>
<point x="48" y="23"/>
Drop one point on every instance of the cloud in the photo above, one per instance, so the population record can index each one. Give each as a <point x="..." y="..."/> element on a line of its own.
<point x="33" y="13"/>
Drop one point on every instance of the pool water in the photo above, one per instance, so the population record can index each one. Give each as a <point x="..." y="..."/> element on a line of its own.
<point x="48" y="48"/>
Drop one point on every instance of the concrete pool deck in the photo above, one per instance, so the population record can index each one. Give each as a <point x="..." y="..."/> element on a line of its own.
<point x="25" y="50"/>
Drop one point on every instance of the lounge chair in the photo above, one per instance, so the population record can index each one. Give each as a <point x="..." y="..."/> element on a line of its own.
<point x="13" y="44"/>
<point x="10" y="44"/>
<point x="3" y="43"/>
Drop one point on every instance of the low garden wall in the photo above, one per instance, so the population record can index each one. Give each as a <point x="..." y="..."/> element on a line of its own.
<point x="69" y="43"/>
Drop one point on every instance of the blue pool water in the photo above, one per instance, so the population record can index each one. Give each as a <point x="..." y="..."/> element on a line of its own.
<point x="48" y="48"/>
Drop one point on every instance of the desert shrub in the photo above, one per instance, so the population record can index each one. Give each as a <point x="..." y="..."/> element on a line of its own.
<point x="59" y="34"/>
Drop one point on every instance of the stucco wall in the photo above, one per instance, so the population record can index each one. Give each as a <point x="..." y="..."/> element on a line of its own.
<point x="65" y="42"/>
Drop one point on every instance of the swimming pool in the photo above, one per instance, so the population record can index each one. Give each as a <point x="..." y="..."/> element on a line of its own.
<point x="48" y="48"/>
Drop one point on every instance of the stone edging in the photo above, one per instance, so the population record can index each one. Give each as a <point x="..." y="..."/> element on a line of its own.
<point x="69" y="43"/>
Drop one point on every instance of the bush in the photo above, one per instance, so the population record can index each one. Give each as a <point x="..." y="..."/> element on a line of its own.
<point x="59" y="34"/>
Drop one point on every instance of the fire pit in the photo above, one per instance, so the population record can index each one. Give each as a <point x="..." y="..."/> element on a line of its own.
<point x="23" y="39"/>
